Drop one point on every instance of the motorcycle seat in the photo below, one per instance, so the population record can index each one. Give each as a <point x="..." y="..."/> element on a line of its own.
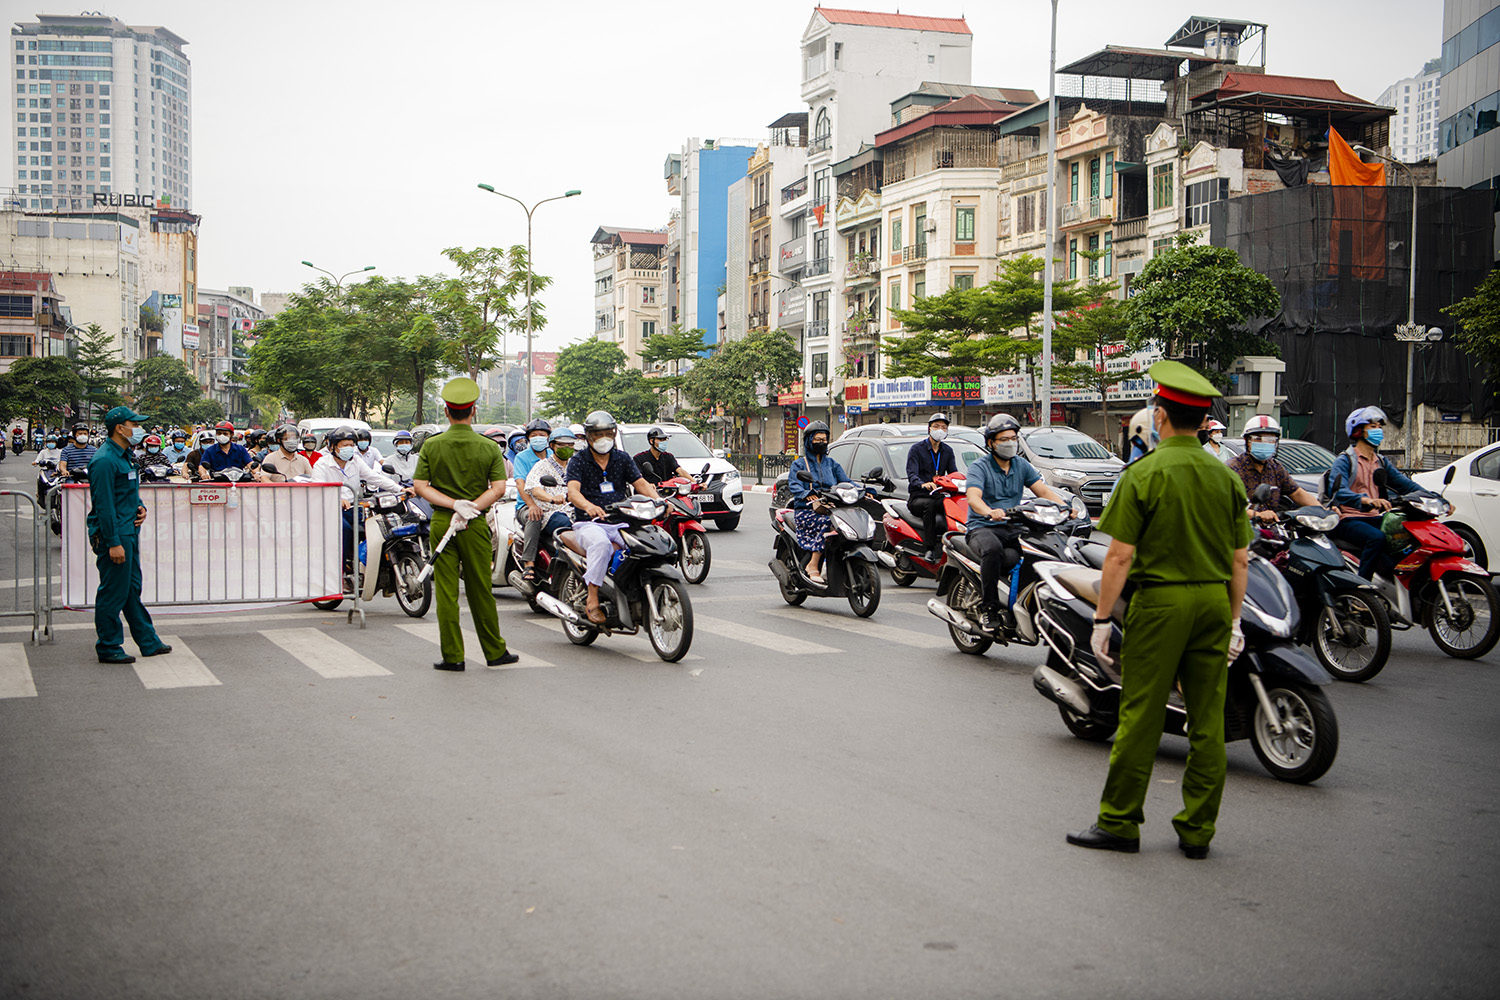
<point x="1084" y="585"/>
<point x="903" y="510"/>
<point x="959" y="543"/>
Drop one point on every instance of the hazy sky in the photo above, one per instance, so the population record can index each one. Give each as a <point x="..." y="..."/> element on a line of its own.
<point x="355" y="133"/>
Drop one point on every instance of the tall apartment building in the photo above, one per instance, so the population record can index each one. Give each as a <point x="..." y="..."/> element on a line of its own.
<point x="220" y="353"/>
<point x="1469" y="142"/>
<point x="778" y="165"/>
<point x="101" y="108"/>
<point x="1414" y="128"/>
<point x="700" y="177"/>
<point x="629" y="287"/>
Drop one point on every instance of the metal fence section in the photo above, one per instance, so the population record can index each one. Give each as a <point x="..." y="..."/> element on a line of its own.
<point x="762" y="468"/>
<point x="23" y="528"/>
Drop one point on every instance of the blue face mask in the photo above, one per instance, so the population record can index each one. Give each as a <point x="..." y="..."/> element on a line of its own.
<point x="403" y="449"/>
<point x="137" y="435"/>
<point x="346" y="453"/>
<point x="364" y="446"/>
<point x="538" y="444"/>
<point x="1375" y="435"/>
<point x="1262" y="451"/>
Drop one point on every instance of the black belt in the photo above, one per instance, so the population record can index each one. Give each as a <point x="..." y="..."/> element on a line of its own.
<point x="1147" y="584"/>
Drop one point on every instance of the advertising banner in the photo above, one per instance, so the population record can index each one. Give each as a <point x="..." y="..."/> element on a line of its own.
<point x="958" y="389"/>
<point x="892" y="392"/>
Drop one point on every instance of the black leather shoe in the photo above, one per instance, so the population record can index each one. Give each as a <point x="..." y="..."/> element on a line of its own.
<point x="445" y="665"/>
<point x="1197" y="852"/>
<point x="122" y="658"/>
<point x="989" y="619"/>
<point x="502" y="661"/>
<point x="1102" y="840"/>
<point x="159" y="651"/>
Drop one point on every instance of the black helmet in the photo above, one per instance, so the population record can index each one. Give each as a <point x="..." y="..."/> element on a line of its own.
<point x="80" y="427"/>
<point x="1000" y="422"/>
<point x="940" y="415"/>
<point x="817" y="426"/>
<point x="361" y="435"/>
<point x="599" y="420"/>
<point x="656" y="434"/>
<point x="538" y="425"/>
<point x="339" y="434"/>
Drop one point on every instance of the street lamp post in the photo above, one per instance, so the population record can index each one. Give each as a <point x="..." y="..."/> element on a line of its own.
<point x="530" y="359"/>
<point x="1408" y="332"/>
<point x="1045" y="402"/>
<point x="338" y="280"/>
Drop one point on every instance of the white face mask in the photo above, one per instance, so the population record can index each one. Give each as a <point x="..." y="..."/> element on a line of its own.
<point x="603" y="445"/>
<point x="81" y="438"/>
<point x="1216" y="437"/>
<point x="222" y="438"/>
<point x="937" y="433"/>
<point x="346" y="453"/>
<point x="289" y="445"/>
<point x="403" y="449"/>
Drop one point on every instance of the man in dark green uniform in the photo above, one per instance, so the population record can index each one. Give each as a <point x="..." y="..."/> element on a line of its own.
<point x="114" y="530"/>
<point x="461" y="473"/>
<point x="1181" y="539"/>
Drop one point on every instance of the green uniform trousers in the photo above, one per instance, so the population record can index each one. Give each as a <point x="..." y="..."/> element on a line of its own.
<point x="120" y="590"/>
<point x="1172" y="631"/>
<point x="471" y="547"/>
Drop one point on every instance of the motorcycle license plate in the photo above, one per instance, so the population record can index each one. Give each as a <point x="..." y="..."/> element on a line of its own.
<point x="703" y="497"/>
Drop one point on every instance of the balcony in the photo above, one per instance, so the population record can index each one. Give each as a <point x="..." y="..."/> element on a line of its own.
<point x="862" y="268"/>
<point x="817" y="328"/>
<point x="1130" y="229"/>
<point x="817" y="266"/>
<point x="1083" y="212"/>
<point x="757" y="320"/>
<point x="760" y="212"/>
<point x="794" y="191"/>
<point x="860" y="333"/>
<point x="917" y="251"/>
<point x="813" y="206"/>
<point x="792" y="255"/>
<point x="758" y="265"/>
<point x="820" y="144"/>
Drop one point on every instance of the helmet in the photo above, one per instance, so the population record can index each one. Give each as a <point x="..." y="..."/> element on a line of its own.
<point x="656" y="434"/>
<point x="563" y="434"/>
<point x="403" y="436"/>
<point x="339" y="434"/>
<point x="1362" y="416"/>
<point x="600" y="420"/>
<point x="254" y="436"/>
<point x="80" y="427"/>
<point x="1142" y="427"/>
<point x="940" y="415"/>
<point x="816" y="427"/>
<point x="151" y="439"/>
<point x="1261" y="424"/>
<point x="225" y="426"/>
<point x="1214" y="425"/>
<point x="362" y="435"/>
<point x="538" y="425"/>
<point x="998" y="423"/>
<point x="516" y="440"/>
<point x="495" y="434"/>
<point x="178" y="434"/>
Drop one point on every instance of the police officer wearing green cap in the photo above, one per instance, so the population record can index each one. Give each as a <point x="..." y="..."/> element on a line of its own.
<point x="1180" y="549"/>
<point x="114" y="524"/>
<point x="461" y="474"/>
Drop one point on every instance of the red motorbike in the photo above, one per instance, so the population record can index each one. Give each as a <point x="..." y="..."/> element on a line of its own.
<point x="1436" y="583"/>
<point x="683" y="520"/>
<point x="903" y="532"/>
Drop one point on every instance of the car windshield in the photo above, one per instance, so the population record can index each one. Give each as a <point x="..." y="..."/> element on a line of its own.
<point x="684" y="446"/>
<point x="1064" y="444"/>
<point x="384" y="441"/>
<point x="1303" y="458"/>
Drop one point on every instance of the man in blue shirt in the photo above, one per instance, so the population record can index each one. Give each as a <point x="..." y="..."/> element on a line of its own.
<point x="925" y="462"/>
<point x="995" y="485"/>
<point x="529" y="515"/>
<point x="77" y="453"/>
<point x="224" y="454"/>
<point x="602" y="475"/>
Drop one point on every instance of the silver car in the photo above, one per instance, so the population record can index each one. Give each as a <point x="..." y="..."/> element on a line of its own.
<point x="1071" y="460"/>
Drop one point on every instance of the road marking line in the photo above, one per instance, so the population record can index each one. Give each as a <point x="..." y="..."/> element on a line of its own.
<point x="180" y="668"/>
<point x="15" y="672"/>
<point x="324" y="654"/>
<point x="783" y="644"/>
<point x="553" y="625"/>
<point x="429" y="631"/>
<point x="863" y="627"/>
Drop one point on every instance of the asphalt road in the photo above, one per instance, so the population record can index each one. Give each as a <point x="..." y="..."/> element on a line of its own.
<point x="808" y="806"/>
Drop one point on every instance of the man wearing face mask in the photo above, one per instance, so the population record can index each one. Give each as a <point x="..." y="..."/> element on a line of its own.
<point x="286" y="459"/>
<point x="1213" y="441"/>
<point x="925" y="461"/>
<point x="342" y="467"/>
<point x="368" y="453"/>
<point x="114" y="528"/>
<point x="552" y="500"/>
<point x="529" y="513"/>
<point x="995" y="484"/>
<point x="177" y="451"/>
<point x="405" y="460"/>
<point x="602" y="475"/>
<point x="1258" y="465"/>
<point x="1351" y="485"/>
<point x="224" y="454"/>
<point x="664" y="464"/>
<point x="77" y="453"/>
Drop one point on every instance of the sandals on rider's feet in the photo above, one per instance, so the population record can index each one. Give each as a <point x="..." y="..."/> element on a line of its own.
<point x="529" y="575"/>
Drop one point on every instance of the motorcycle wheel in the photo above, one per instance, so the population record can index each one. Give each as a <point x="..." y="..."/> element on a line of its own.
<point x="903" y="577"/>
<point x="1475" y="625"/>
<point x="54" y="519"/>
<point x="1309" y="739"/>
<point x="1361" y="615"/>
<point x="671" y="628"/>
<point x="328" y="605"/>
<point x="694" y="556"/>
<point x="963" y="596"/>
<point x="407" y="567"/>
<point x="574" y="593"/>
<point x="790" y="594"/>
<point x="1083" y="727"/>
<point x="863" y="587"/>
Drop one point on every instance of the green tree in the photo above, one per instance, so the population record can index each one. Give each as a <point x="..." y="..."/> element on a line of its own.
<point x="98" y="365"/>
<point x="474" y="310"/>
<point x="671" y="349"/>
<point x="165" y="389"/>
<point x="1201" y="296"/>
<point x="150" y="319"/>
<point x="726" y="381"/>
<point x="204" y="411"/>
<point x="1478" y="333"/>
<point x="41" y="388"/>
<point x="580" y="381"/>
<point x="631" y="396"/>
<point x="1099" y="330"/>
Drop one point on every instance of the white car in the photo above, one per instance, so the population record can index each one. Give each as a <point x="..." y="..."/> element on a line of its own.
<point x="722" y="497"/>
<point x="1475" y="492"/>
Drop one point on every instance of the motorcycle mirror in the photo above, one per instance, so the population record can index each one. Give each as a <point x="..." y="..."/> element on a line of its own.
<point x="1380" y="477"/>
<point x="549" y="481"/>
<point x="648" y="468"/>
<point x="1262" y="493"/>
<point x="270" y="468"/>
<point x="704" y="470"/>
<point x="804" y="475"/>
<point x="387" y="468"/>
<point x="877" y="473"/>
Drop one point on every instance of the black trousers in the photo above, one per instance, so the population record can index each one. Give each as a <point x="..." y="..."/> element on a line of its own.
<point x="998" y="555"/>
<point x="930" y="510"/>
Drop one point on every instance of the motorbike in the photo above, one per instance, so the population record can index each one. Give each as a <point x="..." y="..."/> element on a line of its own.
<point x="1048" y="527"/>
<point x="1274" y="695"/>
<point x="157" y="469"/>
<point x="850" y="565"/>
<point x="506" y="567"/>
<point x="684" y="521"/>
<point x="49" y="494"/>
<point x="1343" y="618"/>
<point x="394" y="547"/>
<point x="643" y="587"/>
<point x="1436" y="584"/>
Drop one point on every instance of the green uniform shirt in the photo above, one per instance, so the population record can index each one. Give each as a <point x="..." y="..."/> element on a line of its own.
<point x="1183" y="510"/>
<point x="115" y="490"/>
<point x="459" y="463"/>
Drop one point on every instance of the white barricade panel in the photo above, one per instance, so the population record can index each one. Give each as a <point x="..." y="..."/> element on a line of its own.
<point x="280" y="545"/>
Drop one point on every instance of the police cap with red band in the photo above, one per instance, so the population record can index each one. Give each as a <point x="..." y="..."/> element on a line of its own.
<point x="1179" y="383"/>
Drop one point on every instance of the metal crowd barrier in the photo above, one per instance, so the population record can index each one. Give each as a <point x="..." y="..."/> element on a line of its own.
<point x="40" y="583"/>
<point x="762" y="467"/>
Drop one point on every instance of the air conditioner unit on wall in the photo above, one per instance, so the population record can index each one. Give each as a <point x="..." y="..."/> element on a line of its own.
<point x="930" y="226"/>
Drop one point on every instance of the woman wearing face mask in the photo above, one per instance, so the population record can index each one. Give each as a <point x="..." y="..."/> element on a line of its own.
<point x="812" y="519"/>
<point x="1213" y="437"/>
<point x="1258" y="465"/>
<point x="1351" y="484"/>
<point x="405" y="459"/>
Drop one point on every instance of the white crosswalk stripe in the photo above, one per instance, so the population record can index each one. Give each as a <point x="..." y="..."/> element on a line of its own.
<point x="178" y="669"/>
<point x="860" y="627"/>
<point x="429" y="631"/>
<point x="644" y="656"/>
<point x="324" y="654"/>
<point x="15" y="672"/>
<point x="774" y="641"/>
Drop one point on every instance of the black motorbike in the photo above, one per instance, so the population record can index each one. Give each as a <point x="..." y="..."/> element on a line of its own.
<point x="643" y="588"/>
<point x="156" y="469"/>
<point x="851" y="569"/>
<point x="1274" y="697"/>
<point x="394" y="548"/>
<point x="49" y="484"/>
<point x="1047" y="528"/>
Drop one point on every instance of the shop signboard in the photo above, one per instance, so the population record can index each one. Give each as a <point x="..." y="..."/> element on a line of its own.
<point x="896" y="392"/>
<point x="960" y="389"/>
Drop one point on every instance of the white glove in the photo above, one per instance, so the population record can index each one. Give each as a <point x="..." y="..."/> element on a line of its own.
<point x="1099" y="643"/>
<point x="467" y="509"/>
<point x="1236" y="641"/>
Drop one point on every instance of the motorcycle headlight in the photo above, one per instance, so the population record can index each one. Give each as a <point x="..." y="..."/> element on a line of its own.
<point x="1431" y="505"/>
<point x="1080" y="509"/>
<point x="847" y="493"/>
<point x="646" y="510"/>
<point x="1325" y="523"/>
<point x="1045" y="515"/>
<point x="388" y="501"/>
<point x="844" y="528"/>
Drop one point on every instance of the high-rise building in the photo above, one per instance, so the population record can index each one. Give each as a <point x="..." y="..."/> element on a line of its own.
<point x="700" y="177"/>
<point x="629" y="296"/>
<point x="102" y="108"/>
<point x="1468" y="140"/>
<point x="1414" y="127"/>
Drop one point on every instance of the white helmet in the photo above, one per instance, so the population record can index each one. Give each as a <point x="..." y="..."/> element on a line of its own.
<point x="1141" y="426"/>
<point x="1214" y="425"/>
<point x="1261" y="424"/>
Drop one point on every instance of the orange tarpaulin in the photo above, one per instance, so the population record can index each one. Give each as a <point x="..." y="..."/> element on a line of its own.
<point x="1345" y="166"/>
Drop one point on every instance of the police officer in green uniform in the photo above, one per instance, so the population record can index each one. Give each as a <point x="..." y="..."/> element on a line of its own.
<point x="114" y="523"/>
<point x="1181" y="541"/>
<point x="461" y="473"/>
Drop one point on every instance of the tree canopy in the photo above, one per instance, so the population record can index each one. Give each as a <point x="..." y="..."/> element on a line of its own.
<point x="97" y="363"/>
<point x="39" y="388"/>
<point x="165" y="389"/>
<point x="1478" y="318"/>
<point x="581" y="379"/>
<point x="726" y="380"/>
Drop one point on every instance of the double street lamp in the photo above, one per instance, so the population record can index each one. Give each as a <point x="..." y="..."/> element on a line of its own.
<point x="338" y="280"/>
<point x="530" y="358"/>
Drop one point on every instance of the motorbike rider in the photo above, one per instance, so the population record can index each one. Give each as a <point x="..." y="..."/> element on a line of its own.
<point x="812" y="520"/>
<point x="1351" y="485"/>
<point x="552" y="501"/>
<point x="310" y="448"/>
<point x="1143" y="436"/>
<point x="995" y="484"/>
<point x="925" y="461"/>
<point x="343" y="467"/>
<point x="224" y="454"/>
<point x="151" y="449"/>
<point x="1258" y="465"/>
<point x="286" y="459"/>
<point x="367" y="452"/>
<point x="603" y="475"/>
<point x="664" y="464"/>
<point x="77" y="452"/>
<point x="1212" y="436"/>
<point x="529" y="514"/>
<point x="405" y="460"/>
<point x="177" y="450"/>
<point x="49" y="453"/>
